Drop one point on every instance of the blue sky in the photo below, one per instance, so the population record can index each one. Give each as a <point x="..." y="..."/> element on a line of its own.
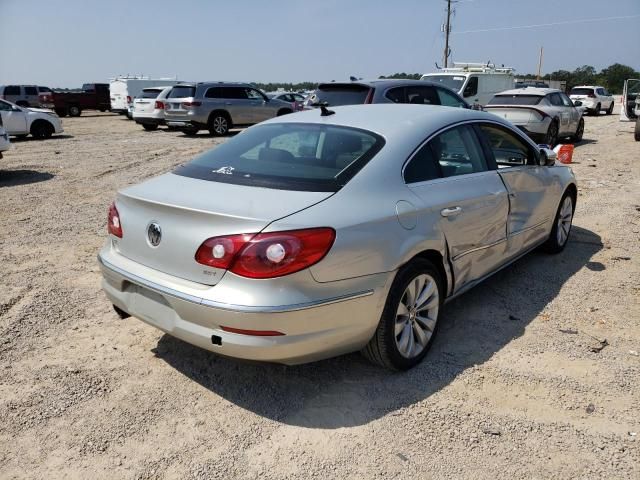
<point x="64" y="43"/>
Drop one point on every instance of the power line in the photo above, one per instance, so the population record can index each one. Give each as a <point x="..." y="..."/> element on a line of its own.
<point x="566" y="22"/>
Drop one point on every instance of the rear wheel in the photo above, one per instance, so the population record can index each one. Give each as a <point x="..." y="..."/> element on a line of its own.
<point x="409" y="319"/>
<point x="596" y="111"/>
<point x="74" y="111"/>
<point x="121" y="313"/>
<point x="551" y="138"/>
<point x="577" y="137"/>
<point x="610" y="109"/>
<point x="219" y="124"/>
<point x="636" y="134"/>
<point x="561" y="225"/>
<point x="42" y="129"/>
<point x="149" y="127"/>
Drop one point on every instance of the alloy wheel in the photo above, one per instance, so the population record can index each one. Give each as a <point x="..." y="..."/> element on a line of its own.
<point x="220" y="125"/>
<point x="417" y="316"/>
<point x="565" y="217"/>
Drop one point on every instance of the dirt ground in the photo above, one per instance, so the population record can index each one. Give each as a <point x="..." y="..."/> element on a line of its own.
<point x="520" y="383"/>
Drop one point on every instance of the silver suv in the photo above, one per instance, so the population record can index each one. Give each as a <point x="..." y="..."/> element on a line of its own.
<point x="219" y="106"/>
<point x="27" y="95"/>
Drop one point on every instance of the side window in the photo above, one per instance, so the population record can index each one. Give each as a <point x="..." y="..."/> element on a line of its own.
<point x="422" y="166"/>
<point x="458" y="152"/>
<point x="12" y="90"/>
<point x="45" y="89"/>
<point x="396" y="95"/>
<point x="252" y="94"/>
<point x="448" y="99"/>
<point x="507" y="148"/>
<point x="566" y="101"/>
<point x="30" y="91"/>
<point x="422" y="96"/>
<point x="215" y="92"/>
<point x="4" y="106"/>
<point x="555" y="100"/>
<point x="471" y="88"/>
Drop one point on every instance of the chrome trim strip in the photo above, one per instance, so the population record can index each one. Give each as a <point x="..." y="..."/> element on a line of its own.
<point x="228" y="306"/>
<point x="529" y="228"/>
<point x="478" y="248"/>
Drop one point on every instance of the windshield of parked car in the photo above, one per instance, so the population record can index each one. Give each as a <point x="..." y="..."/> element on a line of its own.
<point x="339" y="94"/>
<point x="454" y="82"/>
<point x="182" y="91"/>
<point x="515" y="100"/>
<point x="288" y="156"/>
<point x="581" y="91"/>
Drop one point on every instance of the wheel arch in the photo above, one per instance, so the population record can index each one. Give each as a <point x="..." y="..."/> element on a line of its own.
<point x="41" y="121"/>
<point x="220" y="111"/>
<point x="440" y="262"/>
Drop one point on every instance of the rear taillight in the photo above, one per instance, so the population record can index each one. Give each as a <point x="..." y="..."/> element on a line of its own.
<point x="128" y="99"/>
<point x="159" y="105"/>
<point x="369" y="98"/>
<point x="113" y="221"/>
<point x="191" y="104"/>
<point x="267" y="255"/>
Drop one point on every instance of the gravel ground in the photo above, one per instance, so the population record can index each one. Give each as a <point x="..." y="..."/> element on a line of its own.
<point x="520" y="382"/>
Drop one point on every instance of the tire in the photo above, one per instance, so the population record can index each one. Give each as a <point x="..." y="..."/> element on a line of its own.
<point x="636" y="133"/>
<point x="551" y="138"/>
<point x="561" y="230"/>
<point x="74" y="111"/>
<point x="149" y="127"/>
<point x="42" y="129"/>
<point x="577" y="137"/>
<point x="219" y="124"/>
<point x="596" y="111"/>
<point x="388" y="347"/>
<point x="121" y="313"/>
<point x="610" y="109"/>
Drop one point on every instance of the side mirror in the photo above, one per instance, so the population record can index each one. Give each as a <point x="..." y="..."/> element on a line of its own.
<point x="548" y="157"/>
<point x="577" y="103"/>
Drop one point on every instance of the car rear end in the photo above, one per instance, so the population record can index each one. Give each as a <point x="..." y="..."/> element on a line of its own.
<point x="148" y="108"/>
<point x="336" y="94"/>
<point x="118" y="95"/>
<point x="586" y="95"/>
<point x="4" y="139"/>
<point x="524" y="111"/>
<point x="181" y="107"/>
<point x="204" y="253"/>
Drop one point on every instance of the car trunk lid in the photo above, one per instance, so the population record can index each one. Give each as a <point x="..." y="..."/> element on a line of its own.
<point x="188" y="211"/>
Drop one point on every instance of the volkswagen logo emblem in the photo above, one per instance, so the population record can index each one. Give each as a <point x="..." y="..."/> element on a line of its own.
<point x="154" y="234"/>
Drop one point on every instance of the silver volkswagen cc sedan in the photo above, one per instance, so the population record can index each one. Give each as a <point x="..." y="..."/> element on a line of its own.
<point x="326" y="232"/>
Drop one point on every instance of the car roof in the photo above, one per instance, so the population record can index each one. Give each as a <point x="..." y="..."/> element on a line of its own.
<point x="391" y="120"/>
<point x="530" y="91"/>
<point x="381" y="82"/>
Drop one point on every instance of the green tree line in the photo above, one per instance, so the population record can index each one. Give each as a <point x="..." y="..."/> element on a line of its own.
<point x="612" y="78"/>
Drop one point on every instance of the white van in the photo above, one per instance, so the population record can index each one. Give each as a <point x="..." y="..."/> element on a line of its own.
<point x="477" y="83"/>
<point x="122" y="90"/>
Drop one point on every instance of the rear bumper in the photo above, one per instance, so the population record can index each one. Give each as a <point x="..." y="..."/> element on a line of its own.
<point x="314" y="329"/>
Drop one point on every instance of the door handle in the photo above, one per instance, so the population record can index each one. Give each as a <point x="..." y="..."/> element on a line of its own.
<point x="451" y="211"/>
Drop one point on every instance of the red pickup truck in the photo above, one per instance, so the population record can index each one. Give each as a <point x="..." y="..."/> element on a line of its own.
<point x="94" y="96"/>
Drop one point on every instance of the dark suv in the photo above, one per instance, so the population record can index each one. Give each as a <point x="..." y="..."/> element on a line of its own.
<point x="384" y="91"/>
<point x="219" y="106"/>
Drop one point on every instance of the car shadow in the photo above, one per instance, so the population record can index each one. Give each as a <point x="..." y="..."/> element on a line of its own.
<point x="205" y="133"/>
<point x="584" y="141"/>
<point x="13" y="178"/>
<point x="33" y="139"/>
<point x="348" y="391"/>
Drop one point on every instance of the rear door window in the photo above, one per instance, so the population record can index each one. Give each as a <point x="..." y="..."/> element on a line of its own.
<point x="422" y="166"/>
<point x="30" y="91"/>
<point x="182" y="91"/>
<point x="288" y="156"/>
<point x="396" y="95"/>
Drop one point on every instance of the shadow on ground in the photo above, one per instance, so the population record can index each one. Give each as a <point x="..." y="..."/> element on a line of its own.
<point x="33" y="139"/>
<point x="348" y="391"/>
<point x="13" y="178"/>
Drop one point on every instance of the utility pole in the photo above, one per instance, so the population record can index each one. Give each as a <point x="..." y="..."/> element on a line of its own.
<point x="540" y="63"/>
<point x="447" y="31"/>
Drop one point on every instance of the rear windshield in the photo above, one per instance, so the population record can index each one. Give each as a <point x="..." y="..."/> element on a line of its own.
<point x="454" y="82"/>
<point x="581" y="91"/>
<point x="151" y="93"/>
<point x="515" y="100"/>
<point x="182" y="91"/>
<point x="288" y="156"/>
<point x="336" y="95"/>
